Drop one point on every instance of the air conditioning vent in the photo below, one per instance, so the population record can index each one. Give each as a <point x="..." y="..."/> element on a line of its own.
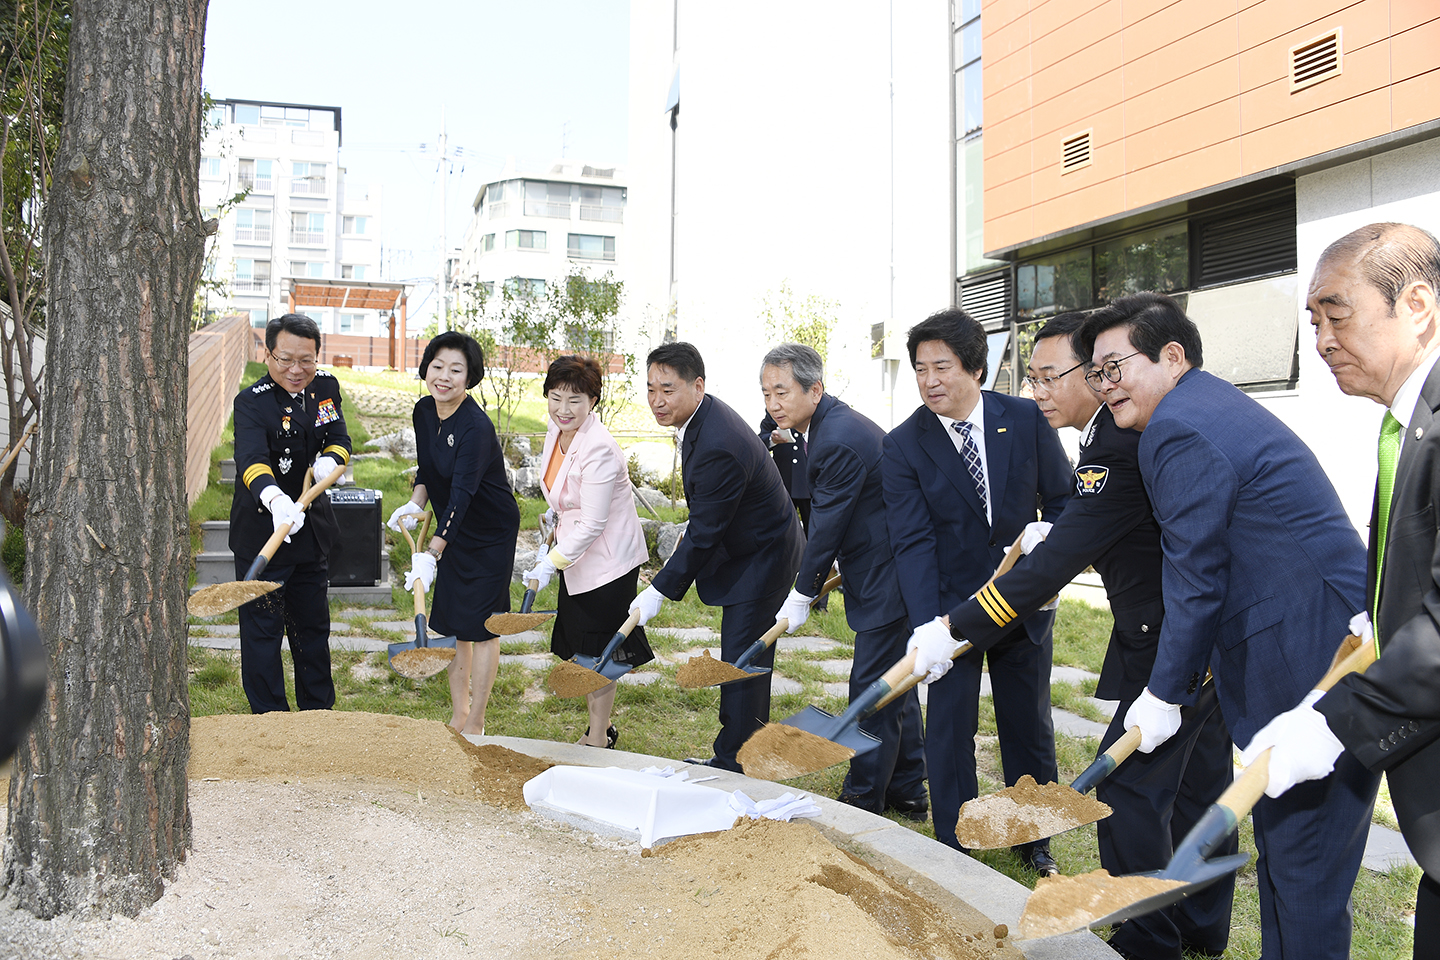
<point x="1075" y="152"/>
<point x="1315" y="60"/>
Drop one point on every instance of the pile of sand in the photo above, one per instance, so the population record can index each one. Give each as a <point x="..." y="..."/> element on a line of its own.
<point x="1024" y="813"/>
<point x="778" y="751"/>
<point x="706" y="671"/>
<point x="1062" y="904"/>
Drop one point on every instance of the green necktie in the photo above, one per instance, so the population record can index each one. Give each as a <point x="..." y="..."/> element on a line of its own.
<point x="1388" y="454"/>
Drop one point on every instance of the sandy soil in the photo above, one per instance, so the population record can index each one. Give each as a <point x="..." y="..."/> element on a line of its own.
<point x="410" y="863"/>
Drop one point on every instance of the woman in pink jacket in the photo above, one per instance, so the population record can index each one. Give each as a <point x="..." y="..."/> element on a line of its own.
<point x="599" y="545"/>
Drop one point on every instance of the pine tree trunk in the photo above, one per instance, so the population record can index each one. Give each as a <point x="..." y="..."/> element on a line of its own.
<point x="98" y="803"/>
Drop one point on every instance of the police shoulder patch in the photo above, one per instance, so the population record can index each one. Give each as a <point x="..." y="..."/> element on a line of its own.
<point x="1090" y="479"/>
<point x="262" y="387"/>
<point x="324" y="373"/>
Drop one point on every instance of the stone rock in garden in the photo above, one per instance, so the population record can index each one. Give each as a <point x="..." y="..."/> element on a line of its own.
<point x="654" y="499"/>
<point x="400" y="444"/>
<point x="525" y="481"/>
<point x="669" y="538"/>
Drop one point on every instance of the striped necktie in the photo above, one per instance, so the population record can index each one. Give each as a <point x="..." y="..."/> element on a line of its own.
<point x="1388" y="454"/>
<point x="971" y="453"/>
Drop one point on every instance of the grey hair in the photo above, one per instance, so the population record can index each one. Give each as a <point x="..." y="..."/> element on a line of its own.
<point x="805" y="364"/>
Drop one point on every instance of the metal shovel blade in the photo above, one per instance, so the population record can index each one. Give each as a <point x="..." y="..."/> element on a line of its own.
<point x="610" y="670"/>
<point x="422" y="641"/>
<point x="1197" y="878"/>
<point x="827" y="726"/>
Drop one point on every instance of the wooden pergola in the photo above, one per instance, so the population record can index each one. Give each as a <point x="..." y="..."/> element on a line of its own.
<point x="382" y="295"/>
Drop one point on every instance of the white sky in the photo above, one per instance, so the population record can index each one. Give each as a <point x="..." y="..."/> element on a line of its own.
<point x="513" y="78"/>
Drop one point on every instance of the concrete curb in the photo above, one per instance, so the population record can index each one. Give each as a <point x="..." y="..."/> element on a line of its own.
<point x="988" y="891"/>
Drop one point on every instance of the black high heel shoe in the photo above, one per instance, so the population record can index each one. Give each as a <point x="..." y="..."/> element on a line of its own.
<point x="612" y="737"/>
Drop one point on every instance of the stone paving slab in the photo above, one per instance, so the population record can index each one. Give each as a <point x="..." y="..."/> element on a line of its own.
<point x="399" y="626"/>
<point x="1385" y="849"/>
<point x="530" y="661"/>
<point x="1107" y="707"/>
<point x="1071" y="675"/>
<point x="779" y="684"/>
<point x="841" y="690"/>
<point x="340" y="642"/>
<point x="642" y="678"/>
<point x="813" y="644"/>
<point x="693" y="634"/>
<point x="1075" y="726"/>
<point x="840" y="668"/>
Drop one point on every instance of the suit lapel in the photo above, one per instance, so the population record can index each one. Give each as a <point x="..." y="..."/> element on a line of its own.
<point x="999" y="438"/>
<point x="1422" y="421"/>
<point x="692" y="434"/>
<point x="941" y="449"/>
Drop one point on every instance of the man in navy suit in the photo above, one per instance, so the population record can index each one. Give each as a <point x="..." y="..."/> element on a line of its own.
<point x="1373" y="301"/>
<point x="1262" y="573"/>
<point x="963" y="477"/>
<point x="743" y="542"/>
<point x="841" y="451"/>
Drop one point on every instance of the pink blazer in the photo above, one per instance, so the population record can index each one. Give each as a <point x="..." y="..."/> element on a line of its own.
<point x="599" y="529"/>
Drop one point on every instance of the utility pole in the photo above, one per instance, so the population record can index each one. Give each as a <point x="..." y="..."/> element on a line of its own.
<point x="442" y="285"/>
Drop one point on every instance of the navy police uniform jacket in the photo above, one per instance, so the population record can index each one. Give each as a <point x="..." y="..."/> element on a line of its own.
<point x="1108" y="524"/>
<point x="278" y="437"/>
<point x="847" y="516"/>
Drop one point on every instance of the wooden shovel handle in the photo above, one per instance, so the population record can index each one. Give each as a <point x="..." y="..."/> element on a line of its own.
<point x="1246" y="791"/>
<point x="783" y="624"/>
<point x="306" y="498"/>
<point x="1122" y="748"/>
<point x="630" y="623"/>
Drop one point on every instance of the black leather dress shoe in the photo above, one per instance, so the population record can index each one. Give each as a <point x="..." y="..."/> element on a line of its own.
<point x="700" y="762"/>
<point x="1039" y="860"/>
<point x="917" y="810"/>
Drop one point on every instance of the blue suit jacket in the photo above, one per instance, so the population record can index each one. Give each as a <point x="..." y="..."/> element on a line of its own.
<point x="847" y="516"/>
<point x="1263" y="570"/>
<point x="944" y="548"/>
<point x="744" y="539"/>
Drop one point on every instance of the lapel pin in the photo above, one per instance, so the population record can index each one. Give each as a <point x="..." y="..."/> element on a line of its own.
<point x="1001" y="429"/>
<point x="1419" y="432"/>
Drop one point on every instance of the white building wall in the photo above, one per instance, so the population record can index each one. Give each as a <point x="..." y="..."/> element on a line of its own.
<point x="792" y="169"/>
<point x="1400" y="185"/>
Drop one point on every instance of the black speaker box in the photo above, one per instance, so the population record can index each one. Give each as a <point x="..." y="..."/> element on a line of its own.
<point x="355" y="557"/>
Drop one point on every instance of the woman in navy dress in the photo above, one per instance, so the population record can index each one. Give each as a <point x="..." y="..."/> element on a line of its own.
<point x="471" y="556"/>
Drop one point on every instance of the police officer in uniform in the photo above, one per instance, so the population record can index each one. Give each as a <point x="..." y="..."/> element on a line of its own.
<point x="285" y="422"/>
<point x="1158" y="796"/>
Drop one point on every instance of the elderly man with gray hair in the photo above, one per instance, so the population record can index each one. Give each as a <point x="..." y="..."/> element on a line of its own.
<point x="847" y="524"/>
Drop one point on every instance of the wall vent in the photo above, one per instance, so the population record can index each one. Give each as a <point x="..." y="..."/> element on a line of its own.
<point x="1315" y="60"/>
<point x="1075" y="152"/>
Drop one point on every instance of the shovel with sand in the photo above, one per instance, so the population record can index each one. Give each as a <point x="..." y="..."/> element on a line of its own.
<point x="585" y="674"/>
<point x="1029" y="811"/>
<point x="424" y="656"/>
<point x="706" y="671"/>
<point x="1065" y="904"/>
<point x="221" y="598"/>
<point x="813" y="739"/>
<point x="504" y="624"/>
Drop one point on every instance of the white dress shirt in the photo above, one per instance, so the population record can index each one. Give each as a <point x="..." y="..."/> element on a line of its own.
<point x="977" y="432"/>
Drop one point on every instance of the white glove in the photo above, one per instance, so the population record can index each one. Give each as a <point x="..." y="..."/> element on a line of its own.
<point x="542" y="553"/>
<point x="405" y="514"/>
<point x="1360" y="627"/>
<point x="1035" y="534"/>
<point x="648" y="603"/>
<point x="1156" y="719"/>
<point x="548" y="520"/>
<point x="422" y="568"/>
<point x="324" y="466"/>
<point x="283" y="510"/>
<point x="934" y="648"/>
<point x="1303" y="746"/>
<point x="542" y="572"/>
<point x="796" y="609"/>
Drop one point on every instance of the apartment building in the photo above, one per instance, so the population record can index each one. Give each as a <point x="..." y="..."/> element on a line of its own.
<point x="299" y="216"/>
<point x="528" y="231"/>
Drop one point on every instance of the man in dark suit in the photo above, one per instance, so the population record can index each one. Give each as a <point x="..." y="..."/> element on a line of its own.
<point x="743" y="542"/>
<point x="1156" y="797"/>
<point x="1262" y="573"/>
<point x="963" y="476"/>
<point x="1377" y="325"/>
<point x="847" y="523"/>
<point x="789" y="456"/>
<point x="284" y="421"/>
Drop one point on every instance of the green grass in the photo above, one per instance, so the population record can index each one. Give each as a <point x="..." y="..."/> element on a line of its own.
<point x="663" y="720"/>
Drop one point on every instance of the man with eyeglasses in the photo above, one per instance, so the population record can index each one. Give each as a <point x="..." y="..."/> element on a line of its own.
<point x="963" y="476"/>
<point x="1156" y="797"/>
<point x="1262" y="573"/>
<point x="285" y="422"/>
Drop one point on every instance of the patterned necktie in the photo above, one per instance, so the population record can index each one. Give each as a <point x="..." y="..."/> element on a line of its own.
<point x="1388" y="455"/>
<point x="971" y="453"/>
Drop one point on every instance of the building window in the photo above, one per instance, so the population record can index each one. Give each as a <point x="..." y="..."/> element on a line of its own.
<point x="969" y="95"/>
<point x="584" y="246"/>
<point x="247" y="113"/>
<point x="306" y="268"/>
<point x="211" y="168"/>
<point x="352" y="271"/>
<point x="252" y="276"/>
<point x="584" y="339"/>
<point x="524" y="288"/>
<point x="307" y="228"/>
<point x="257" y="176"/>
<point x="259" y="316"/>
<point x="1156" y="260"/>
<point x="1054" y="284"/>
<point x="497" y="197"/>
<point x="306" y="177"/>
<point x="544" y="199"/>
<point x="252" y="226"/>
<point x="525" y="239"/>
<point x="355" y="226"/>
<point x="350" y="322"/>
<point x="487" y="243"/>
<point x="602" y="203"/>
<point x="489" y="287"/>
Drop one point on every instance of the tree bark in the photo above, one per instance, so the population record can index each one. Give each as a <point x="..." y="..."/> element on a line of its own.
<point x="98" y="802"/>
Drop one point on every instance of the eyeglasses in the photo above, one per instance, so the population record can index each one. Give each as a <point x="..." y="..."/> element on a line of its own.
<point x="287" y="363"/>
<point x="1110" y="370"/>
<point x="1049" y="382"/>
